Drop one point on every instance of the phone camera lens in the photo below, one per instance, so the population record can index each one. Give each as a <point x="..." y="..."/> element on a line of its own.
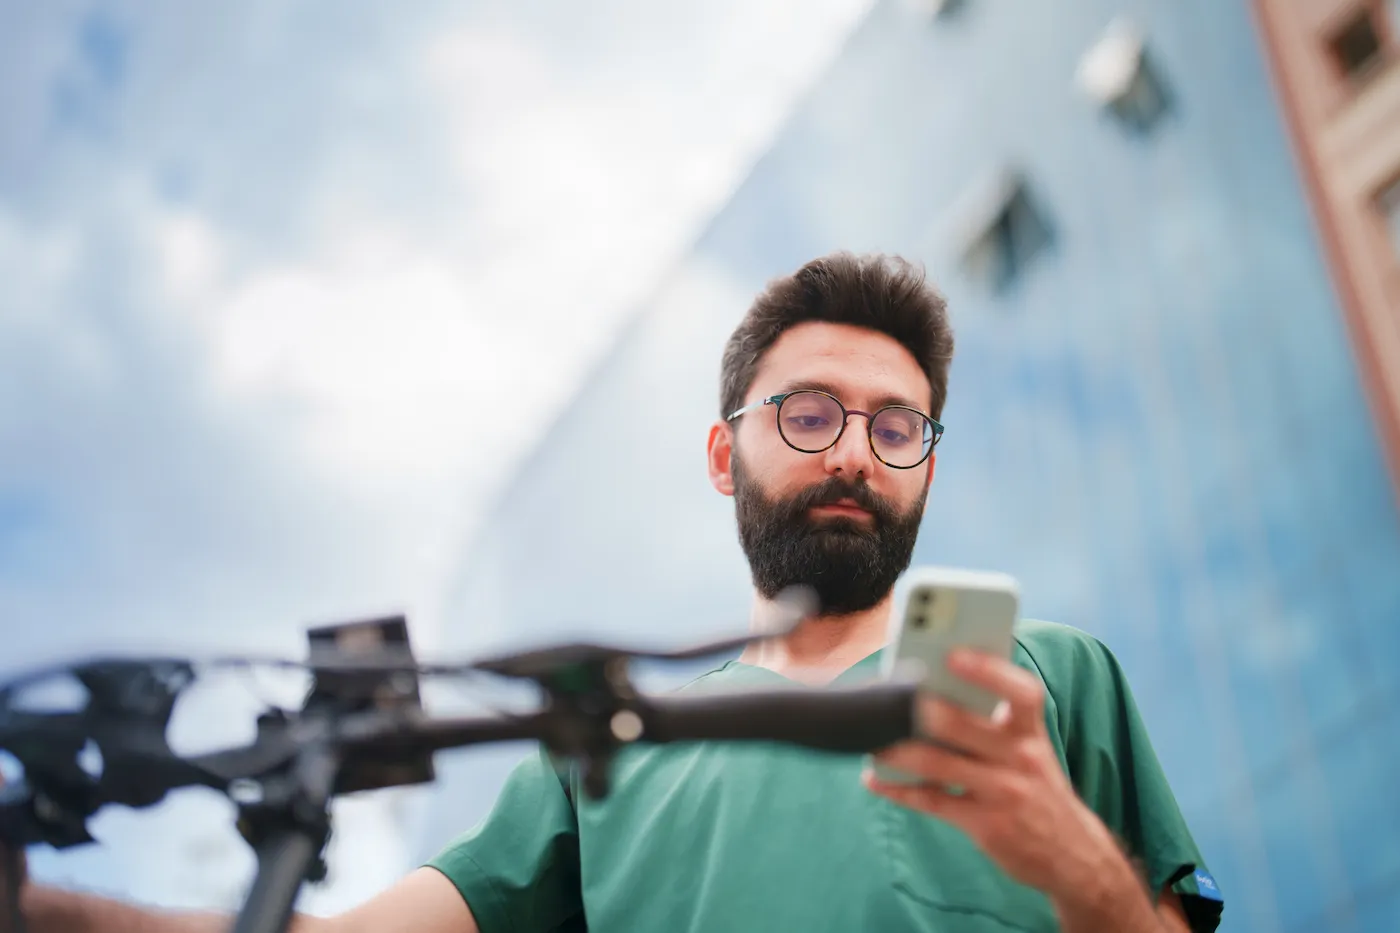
<point x="918" y="621"/>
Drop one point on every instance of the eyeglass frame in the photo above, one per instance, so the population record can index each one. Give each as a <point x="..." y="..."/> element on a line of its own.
<point x="777" y="402"/>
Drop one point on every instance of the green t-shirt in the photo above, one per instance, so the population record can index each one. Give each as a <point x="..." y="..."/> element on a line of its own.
<point x="733" y="837"/>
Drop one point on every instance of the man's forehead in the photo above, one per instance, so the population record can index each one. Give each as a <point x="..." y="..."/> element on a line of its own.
<point x="854" y="364"/>
<point x="853" y="395"/>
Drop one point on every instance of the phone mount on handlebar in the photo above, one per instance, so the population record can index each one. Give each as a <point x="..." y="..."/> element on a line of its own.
<point x="298" y="799"/>
<point x="392" y="686"/>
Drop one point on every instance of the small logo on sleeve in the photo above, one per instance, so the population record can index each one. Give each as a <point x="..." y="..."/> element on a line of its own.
<point x="1207" y="887"/>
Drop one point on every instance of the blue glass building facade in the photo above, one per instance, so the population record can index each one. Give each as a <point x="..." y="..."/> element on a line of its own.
<point x="1156" y="424"/>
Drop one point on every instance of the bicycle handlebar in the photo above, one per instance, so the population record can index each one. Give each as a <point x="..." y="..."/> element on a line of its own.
<point x="851" y="720"/>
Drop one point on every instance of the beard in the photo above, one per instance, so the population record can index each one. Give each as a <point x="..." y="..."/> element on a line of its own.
<point x="849" y="564"/>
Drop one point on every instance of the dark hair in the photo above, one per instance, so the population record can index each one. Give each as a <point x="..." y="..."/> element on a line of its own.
<point x="881" y="293"/>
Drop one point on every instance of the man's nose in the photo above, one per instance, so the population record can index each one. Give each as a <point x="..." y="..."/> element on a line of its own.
<point x="851" y="455"/>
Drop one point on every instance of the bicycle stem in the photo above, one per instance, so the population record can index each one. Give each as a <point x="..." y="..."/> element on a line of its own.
<point x="291" y="831"/>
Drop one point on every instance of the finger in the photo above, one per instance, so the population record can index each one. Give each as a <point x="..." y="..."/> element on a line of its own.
<point x="1020" y="688"/>
<point x="943" y="766"/>
<point x="965" y="730"/>
<point x="926" y="798"/>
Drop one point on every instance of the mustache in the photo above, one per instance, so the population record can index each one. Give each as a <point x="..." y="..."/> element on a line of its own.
<point x="834" y="489"/>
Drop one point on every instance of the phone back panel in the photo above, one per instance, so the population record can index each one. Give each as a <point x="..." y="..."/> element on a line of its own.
<point x="939" y="609"/>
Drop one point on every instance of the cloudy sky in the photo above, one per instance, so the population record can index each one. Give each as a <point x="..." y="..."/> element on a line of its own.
<point x="286" y="290"/>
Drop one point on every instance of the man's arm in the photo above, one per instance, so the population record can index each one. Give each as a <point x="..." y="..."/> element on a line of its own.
<point x="1114" y="897"/>
<point x="422" y="902"/>
<point x="1170" y="916"/>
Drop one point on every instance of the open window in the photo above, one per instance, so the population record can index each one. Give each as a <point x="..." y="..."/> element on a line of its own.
<point x="1000" y="229"/>
<point x="938" y="8"/>
<point x="1355" y="45"/>
<point x="1119" y="74"/>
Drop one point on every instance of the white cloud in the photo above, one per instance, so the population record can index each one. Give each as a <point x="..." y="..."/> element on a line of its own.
<point x="189" y="255"/>
<point x="289" y="290"/>
<point x="401" y="377"/>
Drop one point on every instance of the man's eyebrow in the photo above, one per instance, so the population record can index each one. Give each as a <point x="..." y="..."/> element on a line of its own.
<point x="796" y="385"/>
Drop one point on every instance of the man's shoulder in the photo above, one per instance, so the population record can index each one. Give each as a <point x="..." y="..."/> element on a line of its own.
<point x="725" y="674"/>
<point x="1058" y="651"/>
<point x="1056" y="636"/>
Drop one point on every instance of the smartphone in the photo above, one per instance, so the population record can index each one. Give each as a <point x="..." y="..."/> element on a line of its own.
<point x="937" y="609"/>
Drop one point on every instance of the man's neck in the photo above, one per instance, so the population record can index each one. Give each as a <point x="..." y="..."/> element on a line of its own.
<point x="821" y="647"/>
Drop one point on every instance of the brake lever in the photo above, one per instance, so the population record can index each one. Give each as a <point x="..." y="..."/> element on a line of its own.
<point x="790" y="609"/>
<point x="546" y="663"/>
<point x="125" y="715"/>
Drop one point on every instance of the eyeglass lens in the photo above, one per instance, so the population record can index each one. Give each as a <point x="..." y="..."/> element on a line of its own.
<point x="812" y="421"/>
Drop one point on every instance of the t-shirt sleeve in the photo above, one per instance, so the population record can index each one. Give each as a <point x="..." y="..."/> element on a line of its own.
<point x="1113" y="766"/>
<point x="519" y="868"/>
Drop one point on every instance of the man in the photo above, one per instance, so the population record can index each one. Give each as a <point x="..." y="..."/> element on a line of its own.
<point x="831" y="388"/>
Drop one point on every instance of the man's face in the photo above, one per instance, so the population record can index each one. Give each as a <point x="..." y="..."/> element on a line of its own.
<point x="839" y="521"/>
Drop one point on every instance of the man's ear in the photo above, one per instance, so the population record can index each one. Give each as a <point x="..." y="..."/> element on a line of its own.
<point x="720" y="450"/>
<point x="932" y="459"/>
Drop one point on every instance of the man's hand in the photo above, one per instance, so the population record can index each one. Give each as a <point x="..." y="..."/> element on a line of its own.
<point x="1016" y="802"/>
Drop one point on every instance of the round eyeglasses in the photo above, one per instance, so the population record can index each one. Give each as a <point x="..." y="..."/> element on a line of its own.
<point x="811" y="421"/>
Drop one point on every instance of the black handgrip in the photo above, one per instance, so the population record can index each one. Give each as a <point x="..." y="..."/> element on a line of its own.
<point x="284" y="859"/>
<point x="854" y="720"/>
